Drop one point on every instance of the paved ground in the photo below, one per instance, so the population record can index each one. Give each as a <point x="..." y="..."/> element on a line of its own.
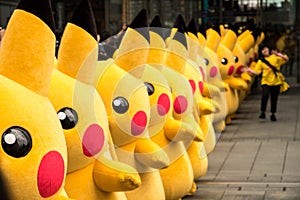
<point x="257" y="160"/>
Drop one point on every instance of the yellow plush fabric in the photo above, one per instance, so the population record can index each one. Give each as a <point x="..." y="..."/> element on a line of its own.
<point x="240" y="50"/>
<point x="17" y="45"/>
<point x="180" y="88"/>
<point x="92" y="158"/>
<point x="176" y="58"/>
<point x="129" y="54"/>
<point x="69" y="53"/>
<point x="36" y="167"/>
<point x="133" y="58"/>
<point x="214" y="78"/>
<point x="136" y="150"/>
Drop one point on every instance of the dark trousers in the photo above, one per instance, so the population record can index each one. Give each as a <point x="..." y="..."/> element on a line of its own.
<point x="273" y="92"/>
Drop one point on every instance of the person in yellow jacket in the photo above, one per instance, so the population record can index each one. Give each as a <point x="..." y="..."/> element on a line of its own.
<point x="269" y="66"/>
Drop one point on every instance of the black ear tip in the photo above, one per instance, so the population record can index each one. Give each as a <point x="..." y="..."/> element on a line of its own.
<point x="140" y="20"/>
<point x="39" y="8"/>
<point x="180" y="24"/>
<point x="192" y="27"/>
<point x="156" y="22"/>
<point x="84" y="18"/>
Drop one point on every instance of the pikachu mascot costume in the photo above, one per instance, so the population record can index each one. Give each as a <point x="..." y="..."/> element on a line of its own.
<point x="213" y="76"/>
<point x="93" y="169"/>
<point x="128" y="108"/>
<point x="227" y="68"/>
<point x="33" y="151"/>
<point x="130" y="88"/>
<point x="133" y="55"/>
<point x="181" y="92"/>
<point x="242" y="46"/>
<point x="177" y="58"/>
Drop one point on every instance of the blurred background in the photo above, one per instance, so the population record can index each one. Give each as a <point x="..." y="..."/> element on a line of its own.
<point x="277" y="18"/>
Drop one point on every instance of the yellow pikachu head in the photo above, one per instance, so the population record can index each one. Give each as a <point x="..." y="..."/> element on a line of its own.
<point x="33" y="151"/>
<point x="79" y="107"/>
<point x="240" y="50"/>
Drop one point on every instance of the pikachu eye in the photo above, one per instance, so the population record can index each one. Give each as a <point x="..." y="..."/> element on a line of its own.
<point x="224" y="61"/>
<point x="236" y="59"/>
<point x="16" y="142"/>
<point x="68" y="118"/>
<point x="120" y="105"/>
<point x="206" y="61"/>
<point x="150" y="88"/>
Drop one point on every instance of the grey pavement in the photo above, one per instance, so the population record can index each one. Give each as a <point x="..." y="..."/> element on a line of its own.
<point x="255" y="159"/>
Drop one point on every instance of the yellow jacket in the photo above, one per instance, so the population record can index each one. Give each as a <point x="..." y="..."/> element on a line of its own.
<point x="268" y="76"/>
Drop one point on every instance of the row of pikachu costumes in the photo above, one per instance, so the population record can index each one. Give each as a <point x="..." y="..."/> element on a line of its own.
<point x="137" y="125"/>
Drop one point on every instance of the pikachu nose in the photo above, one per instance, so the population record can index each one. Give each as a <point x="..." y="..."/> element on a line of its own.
<point x="93" y="140"/>
<point x="138" y="123"/>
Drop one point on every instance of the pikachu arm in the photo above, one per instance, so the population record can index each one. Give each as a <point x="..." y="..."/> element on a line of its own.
<point x="237" y="83"/>
<point x="190" y="119"/>
<point x="151" y="154"/>
<point x="215" y="104"/>
<point x="177" y="130"/>
<point x="114" y="176"/>
<point x="210" y="90"/>
<point x="206" y="107"/>
<point x="225" y="85"/>
<point x="246" y="76"/>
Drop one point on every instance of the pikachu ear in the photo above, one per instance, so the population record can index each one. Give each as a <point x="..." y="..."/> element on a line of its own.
<point x="247" y="42"/>
<point x="212" y="39"/>
<point x="78" y="51"/>
<point x="181" y="30"/>
<point x="133" y="49"/>
<point x="28" y="48"/>
<point x="229" y="39"/>
<point x="157" y="27"/>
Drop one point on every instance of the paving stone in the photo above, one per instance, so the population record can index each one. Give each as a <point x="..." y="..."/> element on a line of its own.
<point x="255" y="159"/>
<point x="243" y="195"/>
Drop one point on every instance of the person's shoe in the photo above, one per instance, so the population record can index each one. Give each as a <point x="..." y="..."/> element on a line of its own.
<point x="273" y="117"/>
<point x="262" y="115"/>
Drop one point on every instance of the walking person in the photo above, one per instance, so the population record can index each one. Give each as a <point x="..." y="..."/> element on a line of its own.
<point x="271" y="79"/>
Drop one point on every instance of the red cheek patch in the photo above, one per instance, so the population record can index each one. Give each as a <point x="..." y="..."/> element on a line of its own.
<point x="138" y="123"/>
<point x="163" y="106"/>
<point x="239" y="70"/>
<point x="51" y="174"/>
<point x="213" y="72"/>
<point x="201" y="86"/>
<point x="193" y="85"/>
<point x="180" y="104"/>
<point x="230" y="70"/>
<point x="202" y="72"/>
<point x="93" y="140"/>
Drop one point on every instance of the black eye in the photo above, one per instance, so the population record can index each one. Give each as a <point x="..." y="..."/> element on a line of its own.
<point x="120" y="105"/>
<point x="150" y="88"/>
<point x="16" y="142"/>
<point x="68" y="118"/>
<point x="236" y="59"/>
<point x="206" y="61"/>
<point x="224" y="61"/>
